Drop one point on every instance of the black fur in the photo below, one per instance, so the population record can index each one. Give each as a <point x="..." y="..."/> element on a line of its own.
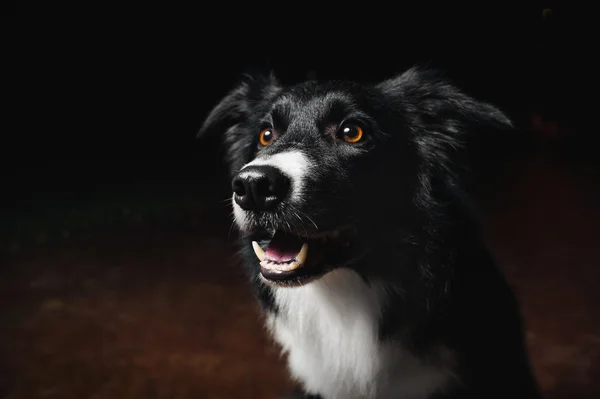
<point x="402" y="189"/>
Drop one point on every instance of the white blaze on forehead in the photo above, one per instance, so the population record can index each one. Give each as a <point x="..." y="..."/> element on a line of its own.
<point x="294" y="164"/>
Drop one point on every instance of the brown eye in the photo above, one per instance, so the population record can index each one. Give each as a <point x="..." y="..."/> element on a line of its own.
<point x="265" y="137"/>
<point x="351" y="133"/>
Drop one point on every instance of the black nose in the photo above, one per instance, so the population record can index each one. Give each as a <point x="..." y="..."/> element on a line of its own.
<point x="260" y="187"/>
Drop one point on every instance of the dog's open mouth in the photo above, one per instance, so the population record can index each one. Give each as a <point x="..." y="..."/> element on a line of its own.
<point x="290" y="259"/>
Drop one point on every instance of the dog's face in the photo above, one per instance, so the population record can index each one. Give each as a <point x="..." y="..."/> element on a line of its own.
<point x="326" y="175"/>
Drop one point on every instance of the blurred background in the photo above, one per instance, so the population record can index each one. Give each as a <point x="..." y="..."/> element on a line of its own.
<point x="118" y="277"/>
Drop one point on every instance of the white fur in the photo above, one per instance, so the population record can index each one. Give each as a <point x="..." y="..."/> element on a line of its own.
<point x="294" y="164"/>
<point x="328" y="329"/>
<point x="239" y="215"/>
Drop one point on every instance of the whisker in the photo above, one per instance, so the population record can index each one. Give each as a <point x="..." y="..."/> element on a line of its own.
<point x="232" y="224"/>
<point x="301" y="222"/>
<point x="298" y="213"/>
<point x="288" y="225"/>
<point x="309" y="218"/>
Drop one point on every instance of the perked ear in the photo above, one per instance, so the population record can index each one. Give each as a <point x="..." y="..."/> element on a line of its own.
<point x="240" y="104"/>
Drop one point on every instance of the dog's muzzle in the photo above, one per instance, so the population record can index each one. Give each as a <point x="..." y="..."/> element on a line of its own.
<point x="268" y="208"/>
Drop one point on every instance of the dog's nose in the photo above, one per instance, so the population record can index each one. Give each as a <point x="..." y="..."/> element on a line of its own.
<point x="260" y="187"/>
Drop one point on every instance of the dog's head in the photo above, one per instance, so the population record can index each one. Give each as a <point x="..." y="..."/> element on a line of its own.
<point x="327" y="174"/>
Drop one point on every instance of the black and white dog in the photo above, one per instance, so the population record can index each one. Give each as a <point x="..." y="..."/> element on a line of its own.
<point x="360" y="244"/>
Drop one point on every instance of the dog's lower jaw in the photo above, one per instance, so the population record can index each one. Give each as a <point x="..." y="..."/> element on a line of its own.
<point x="329" y="331"/>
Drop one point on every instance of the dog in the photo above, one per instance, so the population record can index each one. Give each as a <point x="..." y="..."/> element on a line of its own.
<point x="360" y="241"/>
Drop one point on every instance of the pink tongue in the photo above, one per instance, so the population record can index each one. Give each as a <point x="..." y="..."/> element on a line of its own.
<point x="283" y="247"/>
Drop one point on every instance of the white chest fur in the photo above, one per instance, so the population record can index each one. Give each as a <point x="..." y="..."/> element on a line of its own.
<point x="329" y="331"/>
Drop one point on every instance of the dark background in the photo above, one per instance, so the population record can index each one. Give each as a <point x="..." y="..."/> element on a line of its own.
<point x="120" y="279"/>
<point x="135" y="91"/>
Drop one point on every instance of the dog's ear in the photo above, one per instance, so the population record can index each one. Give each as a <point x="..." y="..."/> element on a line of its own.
<point x="240" y="103"/>
<point x="428" y="93"/>
<point x="234" y="118"/>
<point x="450" y="128"/>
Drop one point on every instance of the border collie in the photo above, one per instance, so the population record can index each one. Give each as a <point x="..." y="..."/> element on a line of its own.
<point x="360" y="242"/>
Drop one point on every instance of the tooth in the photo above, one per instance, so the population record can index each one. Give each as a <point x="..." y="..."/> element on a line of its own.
<point x="301" y="257"/>
<point x="291" y="266"/>
<point x="260" y="254"/>
<point x="280" y="267"/>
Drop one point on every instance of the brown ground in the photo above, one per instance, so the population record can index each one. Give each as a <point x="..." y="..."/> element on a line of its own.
<point x="137" y="313"/>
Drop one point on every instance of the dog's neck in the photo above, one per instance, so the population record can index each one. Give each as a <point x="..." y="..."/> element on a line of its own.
<point x="330" y="332"/>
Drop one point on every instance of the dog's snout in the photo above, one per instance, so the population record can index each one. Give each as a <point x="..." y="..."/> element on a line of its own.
<point x="260" y="188"/>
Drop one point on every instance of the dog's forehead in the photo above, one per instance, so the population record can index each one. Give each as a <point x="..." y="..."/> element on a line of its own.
<point x="315" y="102"/>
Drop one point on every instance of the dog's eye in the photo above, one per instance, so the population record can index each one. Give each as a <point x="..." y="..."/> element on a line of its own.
<point x="265" y="137"/>
<point x="351" y="132"/>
